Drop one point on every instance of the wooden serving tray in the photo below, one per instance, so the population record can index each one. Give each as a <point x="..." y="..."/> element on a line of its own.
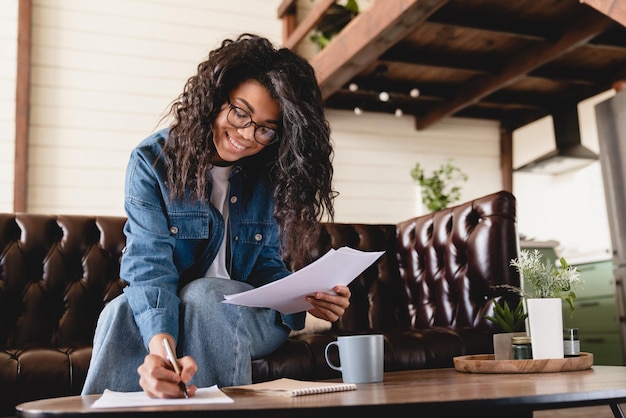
<point x="485" y="363"/>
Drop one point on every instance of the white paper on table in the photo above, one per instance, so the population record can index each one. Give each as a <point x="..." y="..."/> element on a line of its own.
<point x="112" y="399"/>
<point x="287" y="295"/>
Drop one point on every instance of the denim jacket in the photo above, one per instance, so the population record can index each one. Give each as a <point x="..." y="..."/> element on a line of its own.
<point x="170" y="242"/>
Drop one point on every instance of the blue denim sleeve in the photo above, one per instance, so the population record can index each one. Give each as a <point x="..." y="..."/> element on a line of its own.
<point x="147" y="260"/>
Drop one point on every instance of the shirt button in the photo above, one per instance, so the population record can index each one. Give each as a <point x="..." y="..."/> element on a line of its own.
<point x="233" y="199"/>
<point x="258" y="237"/>
<point x="174" y="230"/>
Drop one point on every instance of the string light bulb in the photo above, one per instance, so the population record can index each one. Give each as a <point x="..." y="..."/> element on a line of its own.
<point x="358" y="111"/>
<point x="383" y="96"/>
<point x="353" y="87"/>
<point x="398" y="113"/>
<point x="414" y="92"/>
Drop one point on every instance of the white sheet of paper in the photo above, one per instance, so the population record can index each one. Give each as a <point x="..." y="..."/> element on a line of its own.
<point x="288" y="294"/>
<point x="112" y="399"/>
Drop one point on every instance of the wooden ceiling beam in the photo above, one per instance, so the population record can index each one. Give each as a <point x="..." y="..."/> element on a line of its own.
<point x="366" y="37"/>
<point x="577" y="34"/>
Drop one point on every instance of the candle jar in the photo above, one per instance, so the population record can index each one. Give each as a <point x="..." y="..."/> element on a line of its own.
<point x="521" y="348"/>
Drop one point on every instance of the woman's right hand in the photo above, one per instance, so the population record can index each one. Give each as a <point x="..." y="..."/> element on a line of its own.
<point x="157" y="377"/>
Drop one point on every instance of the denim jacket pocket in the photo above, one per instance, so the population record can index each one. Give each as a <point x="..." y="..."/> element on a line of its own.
<point x="189" y="225"/>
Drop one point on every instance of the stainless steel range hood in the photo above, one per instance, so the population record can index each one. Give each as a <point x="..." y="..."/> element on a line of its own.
<point x="560" y="160"/>
<point x="569" y="154"/>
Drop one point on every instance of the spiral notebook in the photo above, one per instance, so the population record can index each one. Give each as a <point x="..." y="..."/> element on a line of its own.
<point x="290" y="387"/>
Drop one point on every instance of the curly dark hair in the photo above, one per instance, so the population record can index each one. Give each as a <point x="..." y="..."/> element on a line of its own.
<point x="299" y="164"/>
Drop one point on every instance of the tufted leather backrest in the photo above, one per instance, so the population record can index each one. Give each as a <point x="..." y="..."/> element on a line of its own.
<point x="56" y="275"/>
<point x="450" y="261"/>
<point x="438" y="270"/>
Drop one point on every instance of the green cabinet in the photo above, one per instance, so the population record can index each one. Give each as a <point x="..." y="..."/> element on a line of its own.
<point x="595" y="315"/>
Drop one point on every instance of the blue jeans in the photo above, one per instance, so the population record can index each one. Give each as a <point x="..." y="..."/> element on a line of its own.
<point x="222" y="338"/>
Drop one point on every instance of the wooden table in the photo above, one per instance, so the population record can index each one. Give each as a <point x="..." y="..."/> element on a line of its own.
<point x="433" y="393"/>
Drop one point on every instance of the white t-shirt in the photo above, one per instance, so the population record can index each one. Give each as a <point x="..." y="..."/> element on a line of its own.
<point x="219" y="196"/>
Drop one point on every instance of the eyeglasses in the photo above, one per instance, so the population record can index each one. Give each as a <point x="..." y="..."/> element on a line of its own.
<point x="240" y="118"/>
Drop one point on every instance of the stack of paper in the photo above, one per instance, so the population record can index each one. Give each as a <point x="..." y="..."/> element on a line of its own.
<point x="336" y="267"/>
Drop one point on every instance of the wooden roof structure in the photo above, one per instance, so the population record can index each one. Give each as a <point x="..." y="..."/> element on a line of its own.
<point x="510" y="61"/>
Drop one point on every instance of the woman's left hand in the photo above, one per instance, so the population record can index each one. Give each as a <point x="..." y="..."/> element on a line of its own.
<point x="328" y="306"/>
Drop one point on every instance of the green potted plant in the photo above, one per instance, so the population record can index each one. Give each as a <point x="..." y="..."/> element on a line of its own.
<point x="335" y="19"/>
<point x="507" y="319"/>
<point x="511" y="323"/>
<point x="548" y="287"/>
<point x="442" y="187"/>
<point x="546" y="280"/>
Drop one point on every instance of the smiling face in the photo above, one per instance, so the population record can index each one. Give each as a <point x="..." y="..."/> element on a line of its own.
<point x="232" y="143"/>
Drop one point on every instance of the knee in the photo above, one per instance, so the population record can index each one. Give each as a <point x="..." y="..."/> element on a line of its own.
<point x="204" y="290"/>
<point x="117" y="309"/>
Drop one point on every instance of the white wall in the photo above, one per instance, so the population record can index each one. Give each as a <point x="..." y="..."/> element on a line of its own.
<point x="8" y="67"/>
<point x="374" y="155"/>
<point x="103" y="74"/>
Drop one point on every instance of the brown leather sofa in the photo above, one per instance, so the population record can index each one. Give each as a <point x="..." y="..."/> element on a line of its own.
<point x="427" y="294"/>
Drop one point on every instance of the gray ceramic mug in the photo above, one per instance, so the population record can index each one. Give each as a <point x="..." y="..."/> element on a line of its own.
<point x="361" y="358"/>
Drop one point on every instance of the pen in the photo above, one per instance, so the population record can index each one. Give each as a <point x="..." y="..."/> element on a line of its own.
<point x="172" y="358"/>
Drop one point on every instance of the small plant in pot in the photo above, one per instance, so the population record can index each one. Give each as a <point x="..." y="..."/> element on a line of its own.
<point x="546" y="280"/>
<point x="336" y="18"/>
<point x="507" y="319"/>
<point x="548" y="287"/>
<point x="511" y="323"/>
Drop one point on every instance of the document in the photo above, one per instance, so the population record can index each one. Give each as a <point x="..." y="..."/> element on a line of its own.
<point x="291" y="387"/>
<point x="112" y="399"/>
<point x="288" y="294"/>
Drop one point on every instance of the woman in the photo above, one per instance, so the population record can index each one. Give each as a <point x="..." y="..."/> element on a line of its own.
<point x="242" y="175"/>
